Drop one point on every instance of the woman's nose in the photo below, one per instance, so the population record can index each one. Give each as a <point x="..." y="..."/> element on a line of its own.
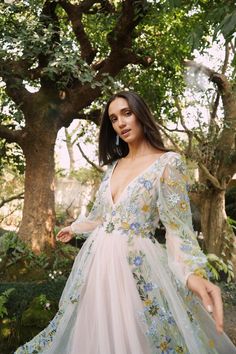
<point x="121" y="122"/>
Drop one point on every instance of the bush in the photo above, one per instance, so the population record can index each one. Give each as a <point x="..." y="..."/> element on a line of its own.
<point x="18" y="262"/>
<point x="219" y="269"/>
<point x="230" y="203"/>
<point x="28" y="310"/>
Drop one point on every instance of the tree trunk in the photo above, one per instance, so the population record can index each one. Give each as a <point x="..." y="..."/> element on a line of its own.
<point x="218" y="235"/>
<point x="39" y="211"/>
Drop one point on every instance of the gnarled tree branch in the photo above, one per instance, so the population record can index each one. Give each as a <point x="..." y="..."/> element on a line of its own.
<point x="210" y="177"/>
<point x="227" y="138"/>
<point x="10" y="199"/>
<point x="121" y="37"/>
<point x="98" y="168"/>
<point x="178" y="149"/>
<point x="120" y="41"/>
<point x="11" y="135"/>
<point x="74" y="13"/>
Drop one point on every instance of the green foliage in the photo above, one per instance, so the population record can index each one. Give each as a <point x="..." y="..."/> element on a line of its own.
<point x="232" y="223"/>
<point x="12" y="185"/>
<point x="13" y="250"/>
<point x="218" y="268"/>
<point x="30" y="307"/>
<point x="230" y="201"/>
<point x="11" y="155"/>
<point x="161" y="36"/>
<point x="87" y="175"/>
<point x="19" y="262"/>
<point x="228" y="292"/>
<point x="168" y="45"/>
<point x="3" y="300"/>
<point x="38" y="313"/>
<point x="61" y="217"/>
<point x="25" y="292"/>
<point x="215" y="18"/>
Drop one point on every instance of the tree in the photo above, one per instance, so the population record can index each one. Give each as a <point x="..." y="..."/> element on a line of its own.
<point x="69" y="52"/>
<point x="217" y="165"/>
<point x="59" y="56"/>
<point x="45" y="45"/>
<point x="212" y="146"/>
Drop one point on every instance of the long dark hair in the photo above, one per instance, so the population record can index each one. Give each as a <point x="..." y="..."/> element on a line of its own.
<point x="108" y="150"/>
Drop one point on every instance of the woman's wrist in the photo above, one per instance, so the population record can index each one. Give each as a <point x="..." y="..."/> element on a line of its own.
<point x="72" y="231"/>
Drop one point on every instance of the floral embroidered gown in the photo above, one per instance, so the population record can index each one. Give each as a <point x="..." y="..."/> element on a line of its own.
<point x="126" y="293"/>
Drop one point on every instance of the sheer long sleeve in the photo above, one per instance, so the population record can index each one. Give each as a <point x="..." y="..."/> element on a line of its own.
<point x="184" y="254"/>
<point x="86" y="224"/>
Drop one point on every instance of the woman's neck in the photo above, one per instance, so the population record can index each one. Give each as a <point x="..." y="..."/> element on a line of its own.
<point x="140" y="149"/>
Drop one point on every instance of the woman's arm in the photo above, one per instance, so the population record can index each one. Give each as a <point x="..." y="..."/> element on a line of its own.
<point x="185" y="258"/>
<point x="86" y="224"/>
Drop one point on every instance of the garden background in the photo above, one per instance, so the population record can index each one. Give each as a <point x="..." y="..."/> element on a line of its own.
<point x="60" y="61"/>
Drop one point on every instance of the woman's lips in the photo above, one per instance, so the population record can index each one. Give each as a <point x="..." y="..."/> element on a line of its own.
<point x="125" y="132"/>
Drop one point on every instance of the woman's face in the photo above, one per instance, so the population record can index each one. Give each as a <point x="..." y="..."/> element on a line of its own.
<point x="124" y="121"/>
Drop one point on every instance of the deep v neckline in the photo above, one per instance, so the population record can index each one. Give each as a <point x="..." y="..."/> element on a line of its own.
<point x="132" y="180"/>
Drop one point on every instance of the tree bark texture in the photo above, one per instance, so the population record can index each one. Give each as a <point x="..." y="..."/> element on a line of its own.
<point x="38" y="220"/>
<point x="218" y="235"/>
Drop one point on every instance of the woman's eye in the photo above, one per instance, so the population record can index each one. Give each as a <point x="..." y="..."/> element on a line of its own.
<point x="113" y="119"/>
<point x="128" y="113"/>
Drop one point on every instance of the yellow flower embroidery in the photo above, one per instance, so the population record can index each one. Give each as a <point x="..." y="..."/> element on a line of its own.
<point x="145" y="208"/>
<point x="211" y="343"/>
<point x="147" y="302"/>
<point x="201" y="272"/>
<point x="164" y="345"/>
<point x="173" y="225"/>
<point x="183" y="205"/>
<point x="171" y="183"/>
<point x="125" y="225"/>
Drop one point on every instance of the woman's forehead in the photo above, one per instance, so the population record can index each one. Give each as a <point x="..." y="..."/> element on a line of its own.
<point x="117" y="105"/>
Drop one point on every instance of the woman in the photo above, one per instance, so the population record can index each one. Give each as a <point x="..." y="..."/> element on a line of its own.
<point x="127" y="294"/>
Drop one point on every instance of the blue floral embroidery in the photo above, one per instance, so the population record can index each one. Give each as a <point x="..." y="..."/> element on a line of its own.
<point x="43" y="339"/>
<point x="138" y="261"/>
<point x="146" y="183"/>
<point x="148" y="287"/>
<point x="135" y="227"/>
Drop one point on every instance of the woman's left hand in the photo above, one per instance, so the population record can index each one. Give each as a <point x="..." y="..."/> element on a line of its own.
<point x="210" y="296"/>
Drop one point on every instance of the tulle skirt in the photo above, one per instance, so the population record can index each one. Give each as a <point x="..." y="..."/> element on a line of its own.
<point x="121" y="298"/>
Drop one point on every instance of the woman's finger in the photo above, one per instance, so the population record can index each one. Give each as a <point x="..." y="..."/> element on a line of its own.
<point x="60" y="233"/>
<point x="65" y="237"/>
<point x="206" y="300"/>
<point x="215" y="295"/>
<point x="60" y="237"/>
<point x="210" y="296"/>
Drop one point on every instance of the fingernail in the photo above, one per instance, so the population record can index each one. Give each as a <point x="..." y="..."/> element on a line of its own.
<point x="209" y="308"/>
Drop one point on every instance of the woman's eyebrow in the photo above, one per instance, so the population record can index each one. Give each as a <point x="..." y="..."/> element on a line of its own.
<point x="120" y="111"/>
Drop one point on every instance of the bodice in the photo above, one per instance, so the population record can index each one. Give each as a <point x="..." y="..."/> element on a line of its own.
<point x="135" y="213"/>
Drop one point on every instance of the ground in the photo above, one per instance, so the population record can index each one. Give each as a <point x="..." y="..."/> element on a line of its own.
<point x="230" y="321"/>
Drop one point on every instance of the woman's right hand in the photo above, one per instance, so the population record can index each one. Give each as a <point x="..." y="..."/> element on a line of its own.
<point x="210" y="296"/>
<point x="65" y="235"/>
